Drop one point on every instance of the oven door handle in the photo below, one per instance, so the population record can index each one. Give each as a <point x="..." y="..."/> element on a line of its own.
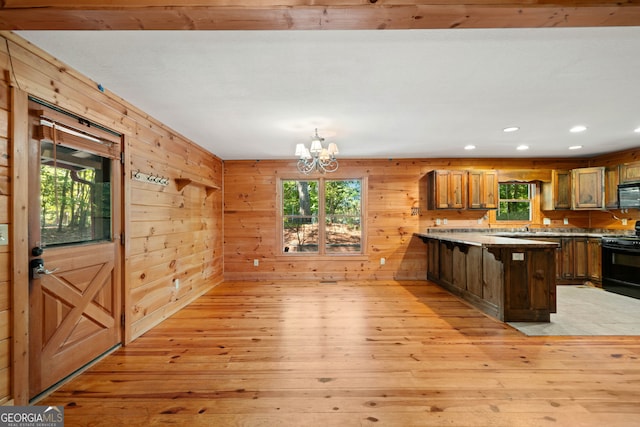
<point x="631" y="251"/>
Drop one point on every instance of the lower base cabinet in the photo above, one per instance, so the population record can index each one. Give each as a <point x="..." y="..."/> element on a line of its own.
<point x="512" y="284"/>
<point x="578" y="259"/>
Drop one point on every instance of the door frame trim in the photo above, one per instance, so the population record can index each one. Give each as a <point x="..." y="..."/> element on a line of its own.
<point x="19" y="247"/>
<point x="19" y="138"/>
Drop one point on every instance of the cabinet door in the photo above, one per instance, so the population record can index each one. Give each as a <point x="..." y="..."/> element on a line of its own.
<point x="483" y="190"/>
<point x="595" y="260"/>
<point x="475" y="189"/>
<point x="561" y="182"/>
<point x="630" y="172"/>
<point x="580" y="258"/>
<point x="437" y="189"/>
<point x="588" y="188"/>
<point x="611" y="181"/>
<point x="567" y="256"/>
<point x="457" y="189"/>
<point x="448" y="189"/>
<point x="490" y="193"/>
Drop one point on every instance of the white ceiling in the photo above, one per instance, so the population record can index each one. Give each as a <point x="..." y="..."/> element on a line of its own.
<point x="377" y="94"/>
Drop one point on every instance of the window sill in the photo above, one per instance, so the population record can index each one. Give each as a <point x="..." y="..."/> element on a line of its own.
<point x="317" y="257"/>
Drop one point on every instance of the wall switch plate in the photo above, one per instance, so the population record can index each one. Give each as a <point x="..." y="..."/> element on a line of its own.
<point x="383" y="261"/>
<point x="444" y="221"/>
<point x="624" y="221"/>
<point x="437" y="221"/>
<point x="546" y="221"/>
<point x="176" y="283"/>
<point x="256" y="262"/>
<point x="4" y="234"/>
<point x="517" y="256"/>
<point x="566" y="221"/>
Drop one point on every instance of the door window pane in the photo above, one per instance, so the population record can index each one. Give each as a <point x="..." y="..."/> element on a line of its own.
<point x="75" y="196"/>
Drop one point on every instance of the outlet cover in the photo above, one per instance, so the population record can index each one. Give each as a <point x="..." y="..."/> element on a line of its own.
<point x="256" y="262"/>
<point x="383" y="261"/>
<point x="546" y="221"/>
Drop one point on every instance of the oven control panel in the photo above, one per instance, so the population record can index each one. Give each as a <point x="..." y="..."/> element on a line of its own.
<point x="621" y="242"/>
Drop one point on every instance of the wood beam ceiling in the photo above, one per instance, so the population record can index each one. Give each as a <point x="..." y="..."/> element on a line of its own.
<point x="312" y="15"/>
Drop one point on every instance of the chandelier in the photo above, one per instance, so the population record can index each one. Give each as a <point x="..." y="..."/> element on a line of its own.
<point x="317" y="157"/>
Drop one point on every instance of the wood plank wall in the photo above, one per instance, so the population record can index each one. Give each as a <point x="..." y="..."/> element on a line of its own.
<point x="251" y="224"/>
<point x="169" y="233"/>
<point x="5" y="253"/>
<point x="177" y="234"/>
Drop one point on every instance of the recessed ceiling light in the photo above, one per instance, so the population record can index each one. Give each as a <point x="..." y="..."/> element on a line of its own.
<point x="578" y="128"/>
<point x="511" y="129"/>
<point x="470" y="147"/>
<point x="522" y="147"/>
<point x="575" y="147"/>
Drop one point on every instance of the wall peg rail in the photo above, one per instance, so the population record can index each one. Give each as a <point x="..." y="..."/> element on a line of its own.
<point x="150" y="178"/>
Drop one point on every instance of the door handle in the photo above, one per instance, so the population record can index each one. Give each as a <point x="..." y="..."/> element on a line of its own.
<point x="38" y="269"/>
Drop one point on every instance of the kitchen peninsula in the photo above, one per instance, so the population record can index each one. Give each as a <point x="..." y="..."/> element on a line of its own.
<point x="511" y="279"/>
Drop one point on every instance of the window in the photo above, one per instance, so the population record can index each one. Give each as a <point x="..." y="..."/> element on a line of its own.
<point x="515" y="202"/>
<point x="322" y="216"/>
<point x="75" y="196"/>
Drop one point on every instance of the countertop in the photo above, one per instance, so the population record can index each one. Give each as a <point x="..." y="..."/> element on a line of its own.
<point x="555" y="234"/>
<point x="487" y="240"/>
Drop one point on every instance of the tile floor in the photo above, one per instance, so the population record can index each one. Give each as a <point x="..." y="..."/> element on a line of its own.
<point x="587" y="310"/>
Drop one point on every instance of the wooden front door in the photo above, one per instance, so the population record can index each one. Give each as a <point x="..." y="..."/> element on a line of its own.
<point x="74" y="214"/>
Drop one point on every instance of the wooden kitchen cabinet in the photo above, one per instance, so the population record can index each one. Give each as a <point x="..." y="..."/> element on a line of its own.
<point x="577" y="259"/>
<point x="629" y="172"/>
<point x="580" y="258"/>
<point x="611" y="181"/>
<point x="566" y="259"/>
<point x="594" y="255"/>
<point x="433" y="260"/>
<point x="447" y="189"/>
<point x="573" y="259"/>
<point x="557" y="193"/>
<point x="588" y="188"/>
<point x="483" y="189"/>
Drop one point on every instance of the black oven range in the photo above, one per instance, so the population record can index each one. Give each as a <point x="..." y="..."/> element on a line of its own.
<point x="621" y="264"/>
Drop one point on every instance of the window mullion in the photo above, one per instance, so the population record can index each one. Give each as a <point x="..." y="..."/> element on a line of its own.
<point x="321" y="217"/>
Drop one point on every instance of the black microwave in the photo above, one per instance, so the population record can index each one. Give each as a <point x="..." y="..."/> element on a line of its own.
<point x="629" y="195"/>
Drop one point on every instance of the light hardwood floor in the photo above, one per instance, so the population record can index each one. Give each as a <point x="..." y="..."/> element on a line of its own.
<point x="353" y="354"/>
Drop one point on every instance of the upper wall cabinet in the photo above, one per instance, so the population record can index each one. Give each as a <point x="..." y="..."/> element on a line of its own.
<point x="630" y="172"/>
<point x="588" y="188"/>
<point x="577" y="189"/>
<point x="483" y="189"/>
<point x="611" y="181"/>
<point x="446" y="189"/>
<point x="557" y="193"/>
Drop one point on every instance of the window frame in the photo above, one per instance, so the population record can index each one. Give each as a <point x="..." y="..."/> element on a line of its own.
<point x="321" y="253"/>
<point x="531" y="200"/>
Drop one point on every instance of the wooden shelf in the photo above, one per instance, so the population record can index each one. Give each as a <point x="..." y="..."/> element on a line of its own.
<point x="183" y="182"/>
